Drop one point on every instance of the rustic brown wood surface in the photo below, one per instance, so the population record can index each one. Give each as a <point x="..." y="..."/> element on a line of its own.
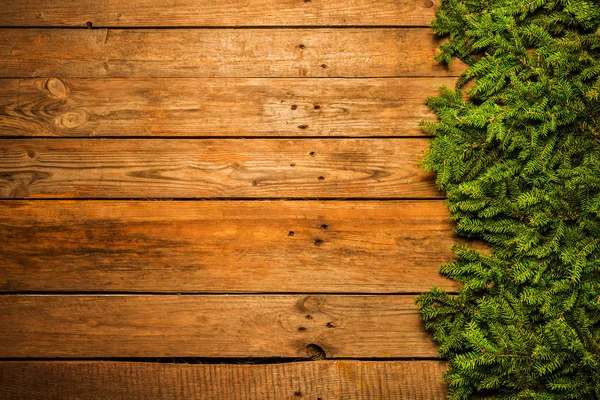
<point x="165" y="13"/>
<point x="216" y="107"/>
<point x="327" y="52"/>
<point x="232" y="246"/>
<point x="219" y="179"/>
<point x="209" y="168"/>
<point x="211" y="326"/>
<point x="401" y="380"/>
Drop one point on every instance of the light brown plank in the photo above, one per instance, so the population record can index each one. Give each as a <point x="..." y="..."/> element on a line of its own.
<point x="216" y="107"/>
<point x="211" y="326"/>
<point x="233" y="246"/>
<point x="409" y="380"/>
<point x="143" y="13"/>
<point x="208" y="168"/>
<point x="328" y="52"/>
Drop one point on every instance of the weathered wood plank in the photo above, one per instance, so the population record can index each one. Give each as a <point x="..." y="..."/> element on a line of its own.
<point x="328" y="52"/>
<point x="233" y="246"/>
<point x="144" y="13"/>
<point x="211" y="326"/>
<point x="64" y="380"/>
<point x="209" y="168"/>
<point x="216" y="107"/>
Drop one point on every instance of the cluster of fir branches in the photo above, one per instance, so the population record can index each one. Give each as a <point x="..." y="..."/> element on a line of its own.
<point x="519" y="160"/>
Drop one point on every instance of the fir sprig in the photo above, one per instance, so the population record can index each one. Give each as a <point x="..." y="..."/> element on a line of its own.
<point x="519" y="161"/>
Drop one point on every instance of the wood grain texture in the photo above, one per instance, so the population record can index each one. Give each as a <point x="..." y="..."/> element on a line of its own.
<point x="216" y="107"/>
<point x="232" y="246"/>
<point x="327" y="52"/>
<point x="144" y="13"/>
<point x="209" y="168"/>
<point x="353" y="380"/>
<point x="83" y="326"/>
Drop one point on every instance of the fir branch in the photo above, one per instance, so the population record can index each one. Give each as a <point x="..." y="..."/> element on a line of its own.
<point x="520" y="164"/>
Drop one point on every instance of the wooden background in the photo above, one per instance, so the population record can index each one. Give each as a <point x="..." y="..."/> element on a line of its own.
<point x="202" y="197"/>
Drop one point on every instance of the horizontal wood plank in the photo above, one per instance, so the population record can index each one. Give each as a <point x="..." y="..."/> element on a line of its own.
<point x="231" y="246"/>
<point x="144" y="13"/>
<point x="65" y="380"/>
<point x="328" y="52"/>
<point x="216" y="107"/>
<point x="83" y="326"/>
<point x="209" y="168"/>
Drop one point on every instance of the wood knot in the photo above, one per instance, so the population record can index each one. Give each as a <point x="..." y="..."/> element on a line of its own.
<point x="56" y="88"/>
<point x="428" y="4"/>
<point x="311" y="303"/>
<point x="73" y="119"/>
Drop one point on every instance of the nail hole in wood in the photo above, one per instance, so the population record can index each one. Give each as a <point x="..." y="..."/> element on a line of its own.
<point x="312" y="154"/>
<point x="294" y="107"/>
<point x="317" y="107"/>
<point x="291" y="233"/>
<point x="298" y="394"/>
<point x="301" y="329"/>
<point x="429" y="4"/>
<point x="324" y="227"/>
<point x="318" y="242"/>
<point x="303" y="126"/>
<point x="301" y="46"/>
<point x="315" y="351"/>
<point x="330" y="325"/>
<point x="321" y="178"/>
<point x="308" y="316"/>
<point x="88" y="24"/>
<point x="292" y="164"/>
<point x="323" y="66"/>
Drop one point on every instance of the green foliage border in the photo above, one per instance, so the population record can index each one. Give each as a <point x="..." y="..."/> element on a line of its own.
<point x="519" y="161"/>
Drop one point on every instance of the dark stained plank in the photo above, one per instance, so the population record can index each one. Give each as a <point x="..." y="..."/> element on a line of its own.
<point x="83" y="326"/>
<point x="231" y="246"/>
<point x="328" y="52"/>
<point x="216" y="107"/>
<point x="143" y="13"/>
<point x="209" y="168"/>
<point x="66" y="380"/>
